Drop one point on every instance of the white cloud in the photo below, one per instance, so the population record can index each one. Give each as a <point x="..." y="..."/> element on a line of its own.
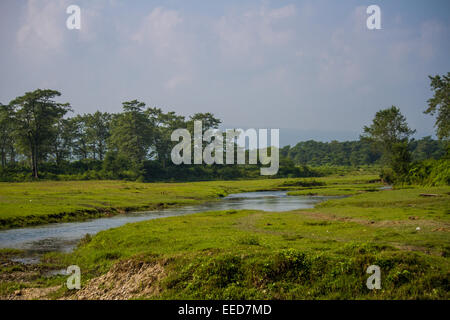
<point x="313" y="62"/>
<point x="167" y="47"/>
<point x="422" y="44"/>
<point x="161" y="31"/>
<point x="176" y="81"/>
<point x="245" y="35"/>
<point x="280" y="13"/>
<point x="43" y="27"/>
<point x="430" y="33"/>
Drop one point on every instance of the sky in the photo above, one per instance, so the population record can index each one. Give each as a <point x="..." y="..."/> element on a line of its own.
<point x="309" y="68"/>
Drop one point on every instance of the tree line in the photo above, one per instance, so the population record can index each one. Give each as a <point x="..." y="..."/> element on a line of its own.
<point x="390" y="134"/>
<point x="387" y="142"/>
<point x="356" y="153"/>
<point x="38" y="140"/>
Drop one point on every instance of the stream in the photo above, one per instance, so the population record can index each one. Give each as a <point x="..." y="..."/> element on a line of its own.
<point x="64" y="237"/>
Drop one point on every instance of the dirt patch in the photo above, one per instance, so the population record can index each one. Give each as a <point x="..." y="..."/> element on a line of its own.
<point x="32" y="293"/>
<point x="24" y="275"/>
<point x="18" y="272"/>
<point x="432" y="251"/>
<point x="125" y="280"/>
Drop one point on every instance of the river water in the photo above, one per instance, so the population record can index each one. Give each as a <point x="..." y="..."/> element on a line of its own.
<point x="65" y="236"/>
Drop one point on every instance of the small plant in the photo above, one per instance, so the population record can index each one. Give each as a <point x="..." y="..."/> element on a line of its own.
<point x="85" y="240"/>
<point x="249" y="240"/>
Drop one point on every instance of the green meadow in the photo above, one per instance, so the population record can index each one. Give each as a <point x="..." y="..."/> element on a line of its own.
<point x="32" y="203"/>
<point x="320" y="253"/>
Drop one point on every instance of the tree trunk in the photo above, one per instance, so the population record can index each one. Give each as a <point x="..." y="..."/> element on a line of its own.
<point x="12" y="156"/>
<point x="34" y="162"/>
<point x="3" y="157"/>
<point x="100" y="151"/>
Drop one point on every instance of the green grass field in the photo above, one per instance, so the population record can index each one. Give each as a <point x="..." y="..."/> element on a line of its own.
<point x="32" y="203"/>
<point x="319" y="253"/>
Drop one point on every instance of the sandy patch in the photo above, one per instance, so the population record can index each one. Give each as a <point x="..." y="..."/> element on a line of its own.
<point x="125" y="280"/>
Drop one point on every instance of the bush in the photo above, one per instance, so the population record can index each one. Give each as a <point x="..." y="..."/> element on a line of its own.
<point x="387" y="175"/>
<point x="249" y="240"/>
<point x="429" y="172"/>
<point x="290" y="264"/>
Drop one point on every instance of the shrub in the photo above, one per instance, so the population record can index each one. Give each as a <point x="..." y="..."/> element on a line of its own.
<point x="430" y="172"/>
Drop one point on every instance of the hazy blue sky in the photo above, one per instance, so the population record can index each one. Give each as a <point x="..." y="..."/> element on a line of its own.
<point x="311" y="68"/>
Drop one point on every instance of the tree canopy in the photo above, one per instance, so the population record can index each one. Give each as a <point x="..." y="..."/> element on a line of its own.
<point x="37" y="137"/>
<point x="439" y="104"/>
<point x="34" y="115"/>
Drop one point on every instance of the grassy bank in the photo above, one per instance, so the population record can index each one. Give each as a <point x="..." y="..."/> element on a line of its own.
<point x="32" y="203"/>
<point x="338" y="186"/>
<point x="320" y="253"/>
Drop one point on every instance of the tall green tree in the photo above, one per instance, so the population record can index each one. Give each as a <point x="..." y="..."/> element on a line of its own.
<point x="390" y="133"/>
<point x="63" y="142"/>
<point x="6" y="134"/>
<point x="164" y="124"/>
<point x="35" y="114"/>
<point x="440" y="104"/>
<point x="98" y="132"/>
<point x="209" y="121"/>
<point x="427" y="148"/>
<point x="132" y="133"/>
<point x="81" y="146"/>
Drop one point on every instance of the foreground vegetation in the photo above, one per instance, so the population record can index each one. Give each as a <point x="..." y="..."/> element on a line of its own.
<point x="320" y="253"/>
